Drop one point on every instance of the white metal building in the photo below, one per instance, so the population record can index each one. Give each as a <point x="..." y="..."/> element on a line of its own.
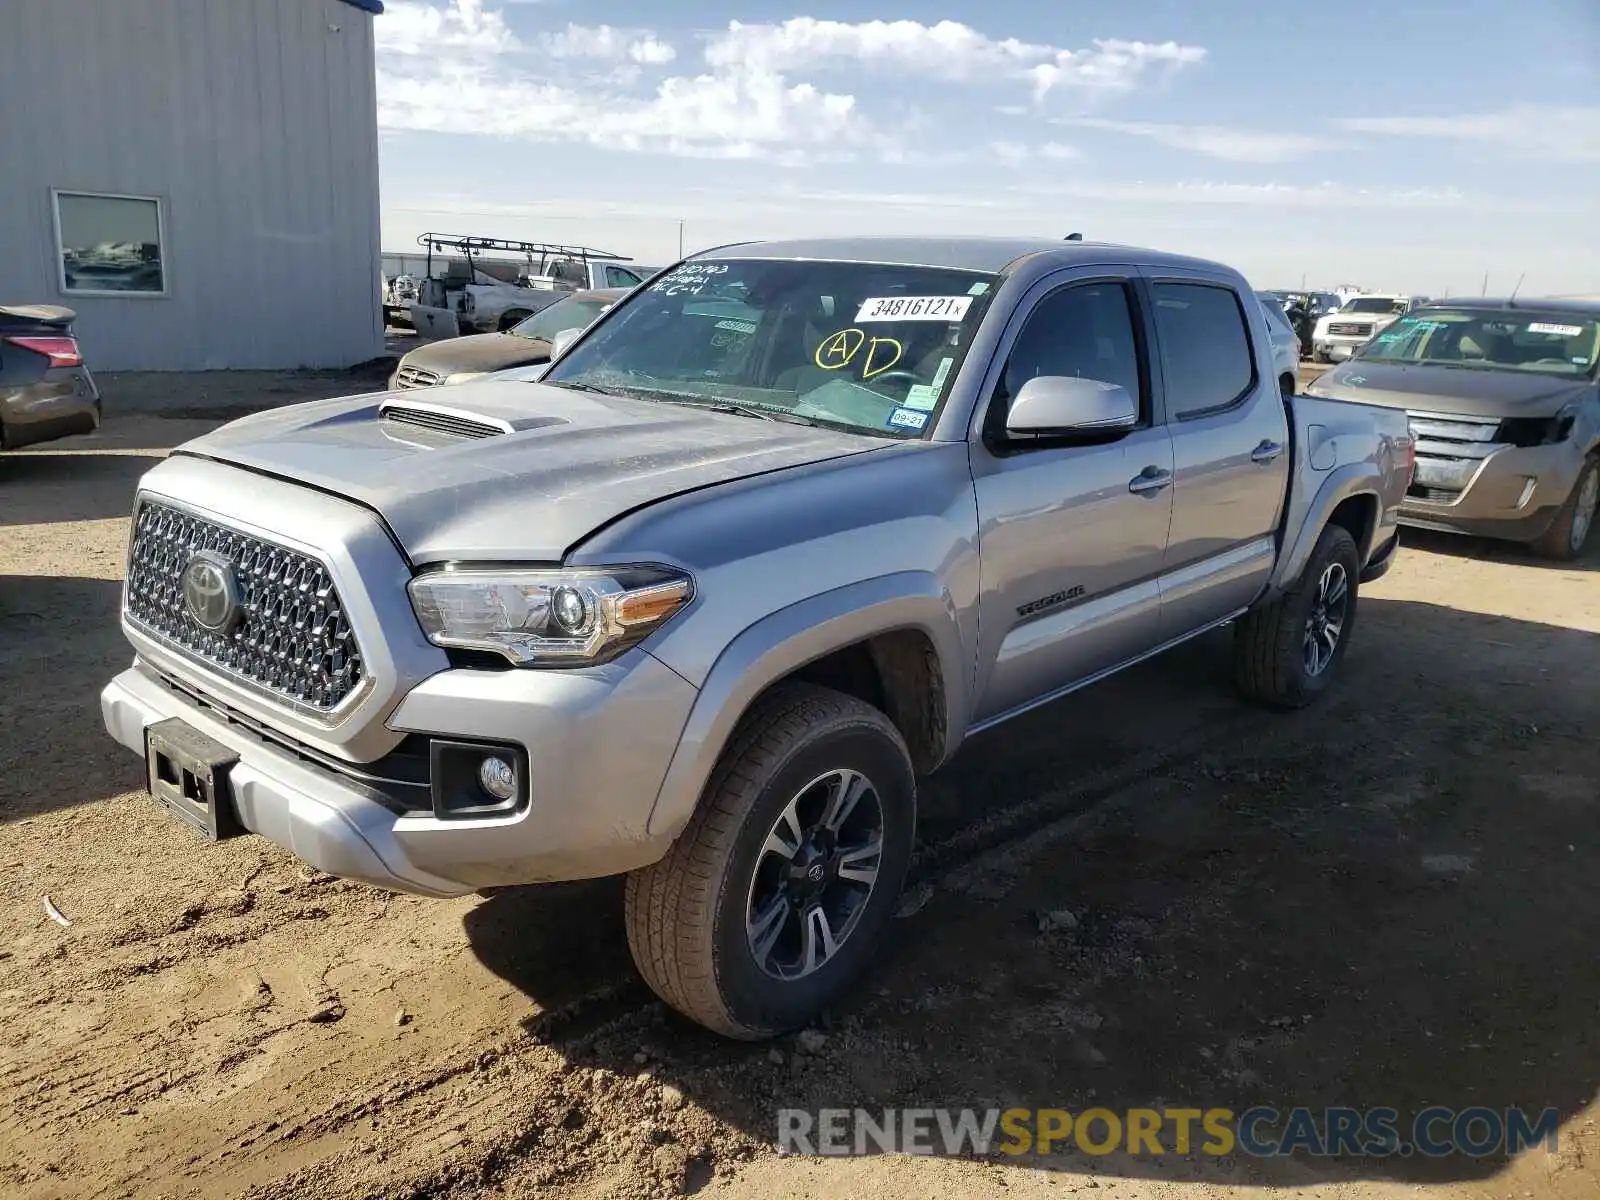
<point x="198" y="179"/>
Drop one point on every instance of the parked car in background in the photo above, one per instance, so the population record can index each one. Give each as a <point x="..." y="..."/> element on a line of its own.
<point x="46" y="390"/>
<point x="1504" y="403"/>
<point x="1285" y="343"/>
<point x="1339" y="334"/>
<point x="770" y="539"/>
<point x="456" y="360"/>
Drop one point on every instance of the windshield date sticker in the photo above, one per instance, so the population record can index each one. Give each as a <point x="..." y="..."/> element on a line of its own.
<point x="1558" y="330"/>
<point x="914" y="308"/>
<point x="907" y="418"/>
<point x="922" y="397"/>
<point x="737" y="326"/>
<point x="978" y="289"/>
<point x="842" y="349"/>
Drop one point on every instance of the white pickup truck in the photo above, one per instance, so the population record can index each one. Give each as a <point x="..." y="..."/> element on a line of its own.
<point x="1340" y="334"/>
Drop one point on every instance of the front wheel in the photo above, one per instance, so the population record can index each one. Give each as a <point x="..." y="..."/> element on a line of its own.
<point x="1569" y="532"/>
<point x="772" y="901"/>
<point x="1287" y="652"/>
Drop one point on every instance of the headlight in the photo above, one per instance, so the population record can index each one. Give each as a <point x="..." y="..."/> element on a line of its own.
<point x="555" y="617"/>
<point x="463" y="376"/>
<point x="1539" y="431"/>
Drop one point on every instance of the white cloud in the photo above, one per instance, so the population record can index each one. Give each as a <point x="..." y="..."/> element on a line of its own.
<point x="1547" y="133"/>
<point x="1017" y="154"/>
<point x="609" y="44"/>
<point x="1216" y="141"/>
<point x="947" y="51"/>
<point x="456" y="66"/>
<point x="412" y="27"/>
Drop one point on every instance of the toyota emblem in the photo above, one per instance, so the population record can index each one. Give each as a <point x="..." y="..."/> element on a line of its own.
<point x="211" y="591"/>
<point x="816" y="872"/>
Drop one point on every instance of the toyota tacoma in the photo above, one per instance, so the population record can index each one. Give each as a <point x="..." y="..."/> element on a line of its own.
<point x="767" y="542"/>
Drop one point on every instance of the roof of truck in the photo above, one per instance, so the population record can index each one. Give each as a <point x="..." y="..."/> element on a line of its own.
<point x="991" y="255"/>
<point x="1584" y="305"/>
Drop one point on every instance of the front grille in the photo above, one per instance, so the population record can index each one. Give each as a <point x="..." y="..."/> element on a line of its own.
<point x="415" y="377"/>
<point x="1350" y="329"/>
<point x="441" y="422"/>
<point x="1433" y="495"/>
<point x="291" y="638"/>
<point x="1450" y="450"/>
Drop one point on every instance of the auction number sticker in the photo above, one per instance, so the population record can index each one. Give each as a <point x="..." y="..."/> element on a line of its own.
<point x="914" y="308"/>
<point x="1558" y="330"/>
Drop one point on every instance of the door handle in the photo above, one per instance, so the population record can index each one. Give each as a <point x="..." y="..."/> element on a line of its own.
<point x="1266" y="451"/>
<point x="1149" y="481"/>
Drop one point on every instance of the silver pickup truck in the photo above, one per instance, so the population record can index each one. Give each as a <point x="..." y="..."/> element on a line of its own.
<point x="765" y="544"/>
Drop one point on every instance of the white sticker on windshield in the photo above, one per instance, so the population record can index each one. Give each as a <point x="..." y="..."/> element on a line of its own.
<point x="941" y="374"/>
<point x="922" y="397"/>
<point x="913" y="308"/>
<point x="978" y="289"/>
<point x="1542" y="327"/>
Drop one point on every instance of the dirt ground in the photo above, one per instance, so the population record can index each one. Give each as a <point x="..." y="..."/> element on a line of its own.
<point x="1390" y="900"/>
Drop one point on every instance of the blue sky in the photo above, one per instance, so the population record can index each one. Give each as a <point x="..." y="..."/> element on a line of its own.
<point x="1414" y="147"/>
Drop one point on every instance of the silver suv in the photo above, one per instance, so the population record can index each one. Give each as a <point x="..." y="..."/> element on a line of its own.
<point x="766" y="543"/>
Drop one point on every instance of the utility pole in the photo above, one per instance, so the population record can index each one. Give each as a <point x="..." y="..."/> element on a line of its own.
<point x="1485" y="290"/>
<point x="680" y="238"/>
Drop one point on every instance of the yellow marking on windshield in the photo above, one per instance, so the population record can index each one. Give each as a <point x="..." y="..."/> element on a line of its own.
<point x="839" y="350"/>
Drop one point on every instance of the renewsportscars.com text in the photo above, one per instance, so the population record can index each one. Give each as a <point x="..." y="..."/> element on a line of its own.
<point x="1260" y="1132"/>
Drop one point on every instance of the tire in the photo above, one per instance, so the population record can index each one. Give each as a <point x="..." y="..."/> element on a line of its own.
<point x="688" y="914"/>
<point x="1272" y="645"/>
<point x="515" y="317"/>
<point x="1573" y="528"/>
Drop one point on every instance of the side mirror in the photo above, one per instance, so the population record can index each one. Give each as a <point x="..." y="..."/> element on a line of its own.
<point x="1058" y="404"/>
<point x="562" y="340"/>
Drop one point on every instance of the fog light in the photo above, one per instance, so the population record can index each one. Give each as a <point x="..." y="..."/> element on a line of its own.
<point x="498" y="778"/>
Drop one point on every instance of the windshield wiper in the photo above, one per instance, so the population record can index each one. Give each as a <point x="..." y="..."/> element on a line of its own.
<point x="578" y="386"/>
<point x="718" y="404"/>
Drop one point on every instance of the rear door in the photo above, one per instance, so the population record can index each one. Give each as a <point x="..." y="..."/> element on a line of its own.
<point x="1230" y="442"/>
<point x="1072" y="533"/>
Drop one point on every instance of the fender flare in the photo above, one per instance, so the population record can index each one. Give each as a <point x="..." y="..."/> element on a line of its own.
<point x="788" y="639"/>
<point x="1342" y="483"/>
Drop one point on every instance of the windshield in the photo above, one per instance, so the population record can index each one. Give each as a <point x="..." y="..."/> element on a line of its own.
<point x="1493" y="339"/>
<point x="1374" y="304"/>
<point x="867" y="347"/>
<point x="563" y="314"/>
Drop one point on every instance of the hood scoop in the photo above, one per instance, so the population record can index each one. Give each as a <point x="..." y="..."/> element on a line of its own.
<point x="456" y="420"/>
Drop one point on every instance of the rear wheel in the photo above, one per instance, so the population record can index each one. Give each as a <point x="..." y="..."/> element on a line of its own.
<point x="1287" y="653"/>
<point x="772" y="901"/>
<point x="1569" y="532"/>
<point x="515" y="317"/>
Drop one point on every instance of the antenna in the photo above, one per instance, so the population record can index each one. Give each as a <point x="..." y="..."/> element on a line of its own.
<point x="1516" y="289"/>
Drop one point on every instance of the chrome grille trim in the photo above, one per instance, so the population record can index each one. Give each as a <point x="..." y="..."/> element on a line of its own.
<point x="415" y="377"/>
<point x="1450" y="451"/>
<point x="293" y="642"/>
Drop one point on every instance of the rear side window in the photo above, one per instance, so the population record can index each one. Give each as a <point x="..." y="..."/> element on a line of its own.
<point x="1205" y="347"/>
<point x="618" y="277"/>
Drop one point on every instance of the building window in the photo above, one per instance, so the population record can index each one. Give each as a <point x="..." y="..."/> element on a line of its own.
<point x="110" y="245"/>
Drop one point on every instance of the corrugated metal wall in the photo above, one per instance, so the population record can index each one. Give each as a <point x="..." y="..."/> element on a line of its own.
<point x="254" y="121"/>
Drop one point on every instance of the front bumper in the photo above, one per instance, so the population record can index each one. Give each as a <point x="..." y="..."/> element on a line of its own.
<point x="1337" y="347"/>
<point x="598" y="742"/>
<point x="1513" y="493"/>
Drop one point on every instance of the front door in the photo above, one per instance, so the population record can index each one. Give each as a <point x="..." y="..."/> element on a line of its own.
<point x="1071" y="535"/>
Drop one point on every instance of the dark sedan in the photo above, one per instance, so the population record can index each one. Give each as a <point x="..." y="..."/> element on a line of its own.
<point x="46" y="391"/>
<point x="1504" y="401"/>
<point x="456" y="360"/>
